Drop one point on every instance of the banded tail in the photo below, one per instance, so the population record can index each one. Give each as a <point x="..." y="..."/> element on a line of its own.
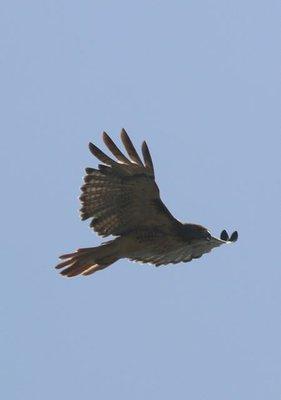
<point x="88" y="260"/>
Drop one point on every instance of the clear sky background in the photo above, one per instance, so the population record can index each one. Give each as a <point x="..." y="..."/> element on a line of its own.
<point x="200" y="81"/>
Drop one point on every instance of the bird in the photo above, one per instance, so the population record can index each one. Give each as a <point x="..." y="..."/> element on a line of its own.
<point x="122" y="199"/>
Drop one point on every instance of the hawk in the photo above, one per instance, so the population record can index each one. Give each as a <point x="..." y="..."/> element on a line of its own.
<point x="122" y="199"/>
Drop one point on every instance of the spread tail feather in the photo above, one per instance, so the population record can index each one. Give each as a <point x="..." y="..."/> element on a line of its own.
<point x="89" y="260"/>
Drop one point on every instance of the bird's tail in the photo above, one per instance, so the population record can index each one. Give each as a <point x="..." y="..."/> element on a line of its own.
<point x="89" y="260"/>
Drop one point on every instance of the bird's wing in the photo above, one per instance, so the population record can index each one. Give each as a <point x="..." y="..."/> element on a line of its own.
<point x="122" y="195"/>
<point x="171" y="251"/>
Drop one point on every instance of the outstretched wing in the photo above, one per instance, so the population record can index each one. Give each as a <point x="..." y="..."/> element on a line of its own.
<point x="171" y="251"/>
<point x="122" y="195"/>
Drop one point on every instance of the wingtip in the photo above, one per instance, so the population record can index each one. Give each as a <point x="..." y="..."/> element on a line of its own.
<point x="144" y="145"/>
<point x="105" y="136"/>
<point x="123" y="133"/>
<point x="92" y="147"/>
<point x="130" y="148"/>
<point x="89" y="170"/>
<point x="147" y="157"/>
<point x="106" y="139"/>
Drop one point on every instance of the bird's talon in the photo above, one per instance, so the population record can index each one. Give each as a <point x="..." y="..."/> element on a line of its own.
<point x="234" y="236"/>
<point x="224" y="235"/>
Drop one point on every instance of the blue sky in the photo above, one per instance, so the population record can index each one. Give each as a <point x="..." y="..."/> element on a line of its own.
<point x="200" y="81"/>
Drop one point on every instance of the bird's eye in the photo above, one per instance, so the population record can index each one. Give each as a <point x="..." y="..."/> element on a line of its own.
<point x="208" y="236"/>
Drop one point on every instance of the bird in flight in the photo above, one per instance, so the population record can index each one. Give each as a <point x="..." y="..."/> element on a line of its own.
<point x="122" y="199"/>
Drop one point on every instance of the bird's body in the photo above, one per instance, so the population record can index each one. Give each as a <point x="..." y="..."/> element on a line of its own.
<point x="123" y="200"/>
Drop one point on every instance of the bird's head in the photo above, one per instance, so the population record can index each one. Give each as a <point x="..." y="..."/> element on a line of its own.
<point x="194" y="231"/>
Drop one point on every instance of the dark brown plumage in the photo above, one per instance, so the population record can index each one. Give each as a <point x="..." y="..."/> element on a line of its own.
<point x="122" y="199"/>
